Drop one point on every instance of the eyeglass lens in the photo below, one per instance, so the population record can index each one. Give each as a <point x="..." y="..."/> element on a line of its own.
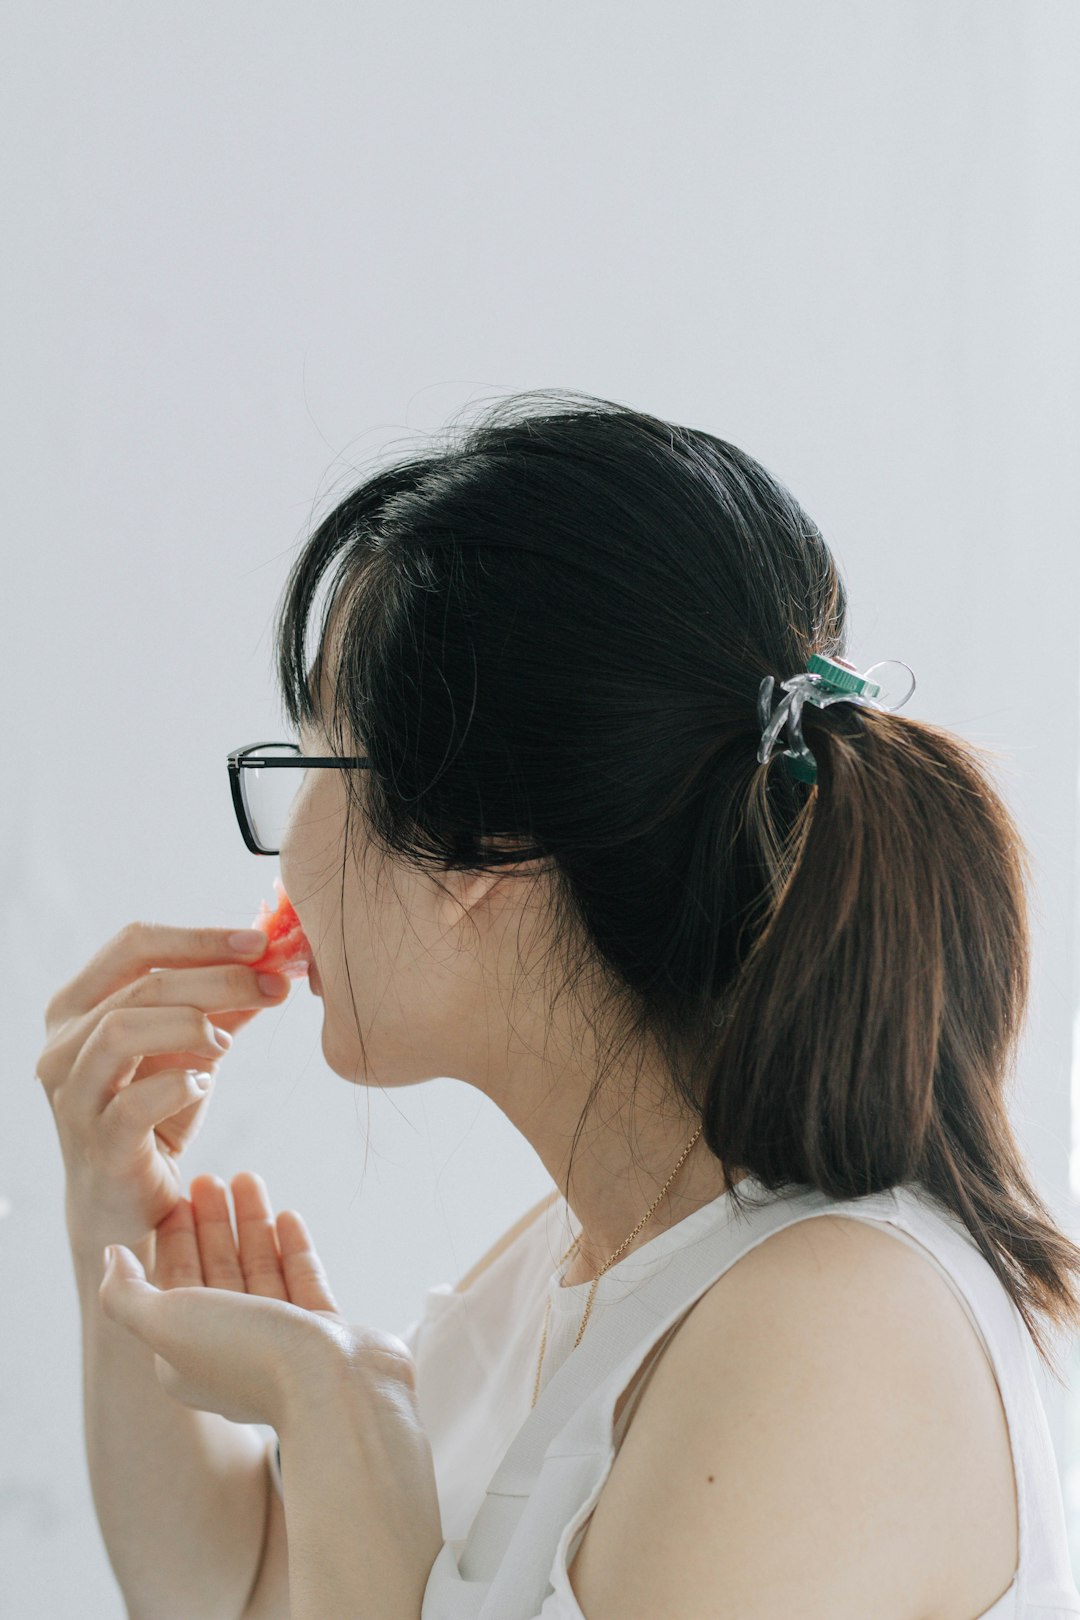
<point x="269" y="794"/>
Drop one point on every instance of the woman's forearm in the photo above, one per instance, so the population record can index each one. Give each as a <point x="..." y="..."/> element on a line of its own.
<point x="361" y="1506"/>
<point x="180" y="1494"/>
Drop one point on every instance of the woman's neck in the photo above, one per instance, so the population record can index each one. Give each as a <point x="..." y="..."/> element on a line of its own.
<point x="705" y="1183"/>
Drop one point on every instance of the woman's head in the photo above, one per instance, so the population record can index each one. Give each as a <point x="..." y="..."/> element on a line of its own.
<point x="536" y="637"/>
<point x="547" y="637"/>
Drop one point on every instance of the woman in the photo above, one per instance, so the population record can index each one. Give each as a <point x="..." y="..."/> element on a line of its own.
<point x="748" y="977"/>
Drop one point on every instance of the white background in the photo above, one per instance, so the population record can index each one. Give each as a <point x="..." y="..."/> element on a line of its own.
<point x="249" y="249"/>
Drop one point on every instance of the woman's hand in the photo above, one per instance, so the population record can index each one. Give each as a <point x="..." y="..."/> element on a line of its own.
<point x="239" y="1323"/>
<point x="124" y="1038"/>
<point x="250" y="1329"/>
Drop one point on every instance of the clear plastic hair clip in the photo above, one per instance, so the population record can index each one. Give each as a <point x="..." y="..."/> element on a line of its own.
<point x="825" y="681"/>
<point x="896" y="702"/>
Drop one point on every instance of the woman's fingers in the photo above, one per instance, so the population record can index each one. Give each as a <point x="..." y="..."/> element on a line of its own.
<point x="176" y="1250"/>
<point x="304" y="1274"/>
<point x="213" y="1227"/>
<point x="196" y="1247"/>
<point x="259" y="1258"/>
<point x="230" y="1022"/>
<point x="275" y="1258"/>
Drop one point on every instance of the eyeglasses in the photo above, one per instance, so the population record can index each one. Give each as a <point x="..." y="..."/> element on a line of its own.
<point x="264" y="779"/>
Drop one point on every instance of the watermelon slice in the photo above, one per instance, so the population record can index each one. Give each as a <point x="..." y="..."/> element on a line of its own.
<point x="287" y="950"/>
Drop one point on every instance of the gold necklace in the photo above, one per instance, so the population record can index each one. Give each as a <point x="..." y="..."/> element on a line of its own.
<point x="604" y="1267"/>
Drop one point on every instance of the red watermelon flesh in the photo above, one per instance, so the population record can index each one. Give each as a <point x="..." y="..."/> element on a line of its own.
<point x="288" y="951"/>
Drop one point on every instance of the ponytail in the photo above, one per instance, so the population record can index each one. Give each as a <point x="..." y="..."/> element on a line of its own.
<point x="874" y="1022"/>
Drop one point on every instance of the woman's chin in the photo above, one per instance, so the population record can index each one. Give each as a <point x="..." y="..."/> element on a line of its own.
<point x="349" y="1065"/>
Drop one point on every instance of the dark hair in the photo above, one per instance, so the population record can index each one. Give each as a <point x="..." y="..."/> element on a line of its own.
<point x="552" y="632"/>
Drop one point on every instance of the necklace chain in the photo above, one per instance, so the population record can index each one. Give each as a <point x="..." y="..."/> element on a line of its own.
<point x="609" y="1262"/>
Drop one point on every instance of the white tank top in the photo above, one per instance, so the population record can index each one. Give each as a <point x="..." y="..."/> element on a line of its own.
<point x="516" y="1485"/>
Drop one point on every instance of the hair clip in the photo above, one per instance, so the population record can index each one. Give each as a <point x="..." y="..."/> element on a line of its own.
<point x="825" y="681"/>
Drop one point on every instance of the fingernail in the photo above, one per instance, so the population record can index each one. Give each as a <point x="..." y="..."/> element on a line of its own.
<point x="248" y="941"/>
<point x="272" y="984"/>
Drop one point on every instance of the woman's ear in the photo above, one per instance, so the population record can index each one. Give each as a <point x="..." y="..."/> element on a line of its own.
<point x="466" y="891"/>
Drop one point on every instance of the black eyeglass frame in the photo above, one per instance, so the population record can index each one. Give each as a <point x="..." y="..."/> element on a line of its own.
<point x="248" y="758"/>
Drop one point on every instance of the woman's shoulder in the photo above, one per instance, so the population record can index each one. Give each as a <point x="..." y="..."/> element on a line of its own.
<point x="825" y="1334"/>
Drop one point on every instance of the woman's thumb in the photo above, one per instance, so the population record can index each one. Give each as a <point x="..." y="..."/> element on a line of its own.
<point x="120" y="1262"/>
<point x="123" y="1282"/>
